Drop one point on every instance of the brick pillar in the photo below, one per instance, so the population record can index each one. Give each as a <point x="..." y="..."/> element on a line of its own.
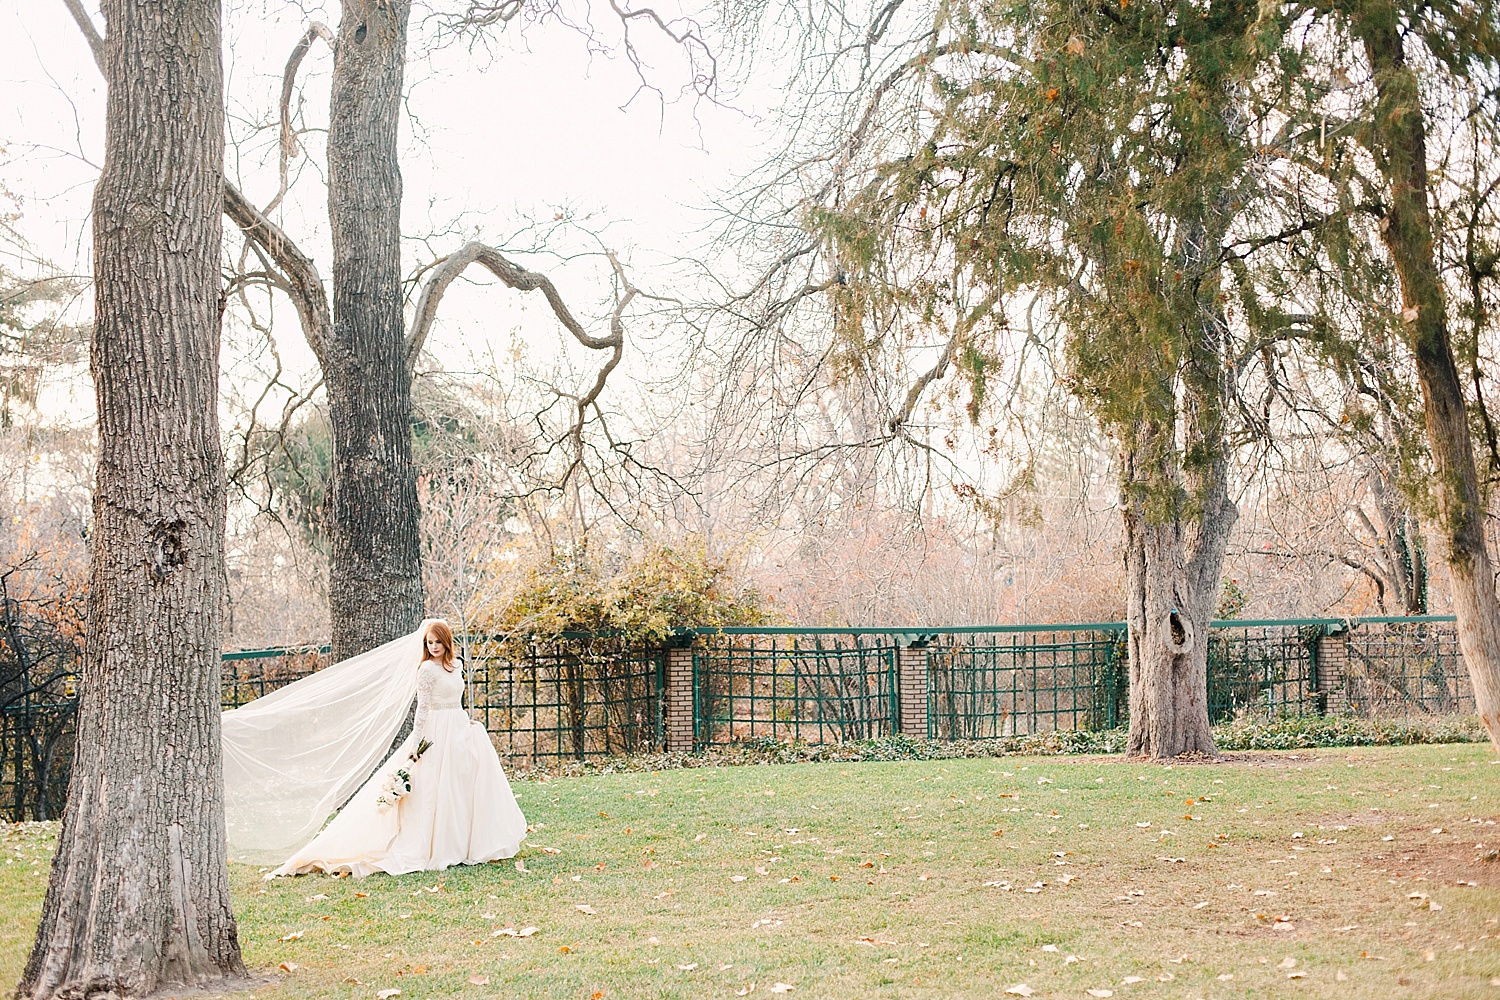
<point x="678" y="698"/>
<point x="1333" y="658"/>
<point x="911" y="684"/>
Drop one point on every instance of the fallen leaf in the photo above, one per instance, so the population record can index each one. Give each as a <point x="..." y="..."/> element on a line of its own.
<point x="551" y="850"/>
<point x="321" y="895"/>
<point x="746" y="991"/>
<point x="586" y="908"/>
<point x="288" y="966"/>
<point x="292" y="936"/>
<point x="781" y="988"/>
<point x="1132" y="980"/>
<point x="738" y="878"/>
<point x="688" y="967"/>
<point x="1049" y="947"/>
<point x="1288" y="963"/>
<point x="1100" y="993"/>
<point x="1021" y="990"/>
<point x="479" y="980"/>
<point x="1296" y="975"/>
<point x="521" y="867"/>
<point x="1224" y="977"/>
<point x="387" y="994"/>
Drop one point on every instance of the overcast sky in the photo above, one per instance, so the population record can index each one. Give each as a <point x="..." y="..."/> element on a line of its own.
<point x="522" y="126"/>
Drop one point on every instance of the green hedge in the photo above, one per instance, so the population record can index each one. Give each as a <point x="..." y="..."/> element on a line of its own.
<point x="1284" y="734"/>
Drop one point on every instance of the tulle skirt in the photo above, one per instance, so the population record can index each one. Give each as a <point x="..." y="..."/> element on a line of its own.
<point x="460" y="810"/>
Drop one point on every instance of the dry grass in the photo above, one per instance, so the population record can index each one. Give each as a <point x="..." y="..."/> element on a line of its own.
<point x="910" y="879"/>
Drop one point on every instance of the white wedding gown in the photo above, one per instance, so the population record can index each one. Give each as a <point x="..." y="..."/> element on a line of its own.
<point x="460" y="810"/>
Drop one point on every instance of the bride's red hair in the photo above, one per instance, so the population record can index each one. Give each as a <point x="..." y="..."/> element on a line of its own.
<point x="443" y="634"/>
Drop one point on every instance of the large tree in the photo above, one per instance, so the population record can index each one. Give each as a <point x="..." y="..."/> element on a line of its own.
<point x="1089" y="161"/>
<point x="361" y="337"/>
<point x="359" y="333"/>
<point x="139" y="891"/>
<point x="1407" y="230"/>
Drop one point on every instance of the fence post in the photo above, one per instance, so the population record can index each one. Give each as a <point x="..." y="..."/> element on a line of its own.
<point x="678" y="694"/>
<point x="911" y="685"/>
<point x="1331" y="654"/>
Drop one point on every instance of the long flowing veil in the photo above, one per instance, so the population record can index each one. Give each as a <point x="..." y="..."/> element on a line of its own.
<point x="296" y="755"/>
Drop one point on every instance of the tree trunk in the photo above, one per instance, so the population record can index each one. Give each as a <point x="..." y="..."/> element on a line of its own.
<point x="375" y="570"/>
<point x="1178" y="514"/>
<point x="139" y="891"/>
<point x="1398" y="144"/>
<point x="1172" y="565"/>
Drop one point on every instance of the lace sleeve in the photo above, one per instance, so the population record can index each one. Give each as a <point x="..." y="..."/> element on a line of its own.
<point x="426" y="678"/>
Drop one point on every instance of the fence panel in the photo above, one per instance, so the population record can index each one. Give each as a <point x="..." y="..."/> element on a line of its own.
<point x="568" y="700"/>
<point x="589" y="696"/>
<point x="251" y="674"/>
<point x="1404" y="668"/>
<point x="994" y="684"/>
<point x="816" y="688"/>
<point x="1264" y="670"/>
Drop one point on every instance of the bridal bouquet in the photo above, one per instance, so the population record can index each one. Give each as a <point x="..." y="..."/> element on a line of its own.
<point x="397" y="784"/>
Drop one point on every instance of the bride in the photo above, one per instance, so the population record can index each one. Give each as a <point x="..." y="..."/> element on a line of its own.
<point x="293" y="756"/>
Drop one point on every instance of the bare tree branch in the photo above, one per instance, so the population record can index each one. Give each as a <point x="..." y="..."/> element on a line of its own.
<point x="314" y="31"/>
<point x="90" y="33"/>
<point x="515" y="276"/>
<point x="303" y="284"/>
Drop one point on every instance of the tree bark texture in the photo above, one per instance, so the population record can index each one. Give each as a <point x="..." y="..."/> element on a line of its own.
<point x="375" y="572"/>
<point x="1172" y="569"/>
<point x="1178" y="514"/>
<point x="1398" y="144"/>
<point x="139" y="889"/>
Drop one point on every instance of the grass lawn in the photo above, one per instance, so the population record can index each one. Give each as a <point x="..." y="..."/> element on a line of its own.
<point x="1322" y="873"/>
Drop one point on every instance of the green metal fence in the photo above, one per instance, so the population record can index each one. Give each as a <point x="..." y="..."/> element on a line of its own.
<point x="1404" y="668"/>
<point x="1021" y="681"/>
<point x="588" y="696"/>
<point x="819" y="687"/>
<point x="578" y="697"/>
<point x="1264" y="669"/>
<point x="250" y="674"/>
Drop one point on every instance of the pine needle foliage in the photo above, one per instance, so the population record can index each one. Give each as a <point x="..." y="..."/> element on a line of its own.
<point x="1091" y="156"/>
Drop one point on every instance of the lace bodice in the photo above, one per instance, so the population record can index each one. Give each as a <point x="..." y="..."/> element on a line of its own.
<point x="437" y="689"/>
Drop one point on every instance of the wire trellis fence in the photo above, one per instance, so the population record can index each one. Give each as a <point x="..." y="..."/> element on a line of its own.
<point x="576" y="697"/>
<point x="816" y="688"/>
<point x="988" y="685"/>
<point x="568" y="699"/>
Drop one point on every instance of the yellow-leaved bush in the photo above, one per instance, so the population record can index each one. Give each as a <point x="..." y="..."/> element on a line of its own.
<point x="664" y="588"/>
